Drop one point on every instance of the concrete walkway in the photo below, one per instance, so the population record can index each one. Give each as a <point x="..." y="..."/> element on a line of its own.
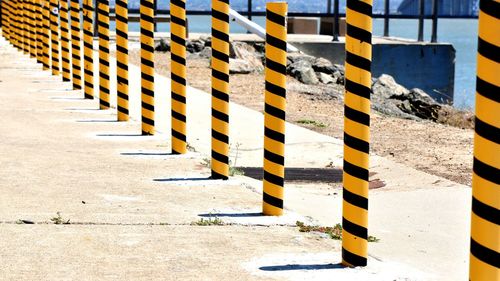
<point x="131" y="204"/>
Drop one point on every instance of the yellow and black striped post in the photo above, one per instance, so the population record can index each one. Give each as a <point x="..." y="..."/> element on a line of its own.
<point x="147" y="67"/>
<point x="39" y="31"/>
<point x="220" y="89"/>
<point x="65" y="50"/>
<point x="274" y="111"/>
<point x="54" y="35"/>
<point x="485" y="218"/>
<point x="103" y="30"/>
<point x="46" y="34"/>
<point x="178" y="75"/>
<point x="76" y="34"/>
<point x="24" y="20"/>
<point x="32" y="28"/>
<point x="122" y="59"/>
<point x="356" y="133"/>
<point x="6" y="20"/>
<point x="18" y="24"/>
<point x="88" y="49"/>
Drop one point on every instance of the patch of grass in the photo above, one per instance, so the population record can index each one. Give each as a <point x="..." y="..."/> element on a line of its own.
<point x="312" y="122"/>
<point x="59" y="219"/>
<point x="334" y="232"/>
<point x="206" y="162"/>
<point x="208" y="222"/>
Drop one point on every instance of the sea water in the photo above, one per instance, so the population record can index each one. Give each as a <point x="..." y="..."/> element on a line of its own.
<point x="462" y="33"/>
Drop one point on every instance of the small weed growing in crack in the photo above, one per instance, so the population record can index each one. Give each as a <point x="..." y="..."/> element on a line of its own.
<point x="59" y="219"/>
<point x="233" y="171"/>
<point x="190" y="147"/>
<point x="208" y="222"/>
<point x="312" y="122"/>
<point x="334" y="232"/>
<point x="19" y="221"/>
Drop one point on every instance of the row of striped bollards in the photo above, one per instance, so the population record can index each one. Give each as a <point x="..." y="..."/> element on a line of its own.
<point x="28" y="25"/>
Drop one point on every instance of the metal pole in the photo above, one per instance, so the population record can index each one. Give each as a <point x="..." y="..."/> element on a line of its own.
<point x="356" y="134"/>
<point x="336" y="21"/>
<point x="76" y="43"/>
<point x="421" y="15"/>
<point x="103" y="29"/>
<point x="435" y="12"/>
<point x="485" y="217"/>
<point x="220" y="89"/>
<point x="178" y="69"/>
<point x="274" y="110"/>
<point x="387" y="5"/>
<point x="121" y="10"/>
<point x="249" y="8"/>
<point x="329" y="7"/>
<point x="54" y="35"/>
<point x="147" y="68"/>
<point x="88" y="48"/>
<point x="65" y="42"/>
<point x="46" y="35"/>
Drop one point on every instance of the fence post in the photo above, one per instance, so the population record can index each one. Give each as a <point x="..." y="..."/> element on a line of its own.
<point x="387" y="6"/>
<point x="435" y="14"/>
<point x="485" y="218"/>
<point x="178" y="68"/>
<point x="103" y="30"/>
<point x="76" y="36"/>
<point x="65" y="51"/>
<point x="421" y="19"/>
<point x="46" y="34"/>
<point x="336" y="22"/>
<point x="24" y="19"/>
<point x="356" y="133"/>
<point x="274" y="110"/>
<point x="88" y="49"/>
<point x="220" y="89"/>
<point x="147" y="68"/>
<point x="121" y="11"/>
<point x="54" y="35"/>
<point x="32" y="22"/>
<point x="39" y="31"/>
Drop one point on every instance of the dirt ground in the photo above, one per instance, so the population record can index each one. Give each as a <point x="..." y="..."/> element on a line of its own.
<point x="434" y="148"/>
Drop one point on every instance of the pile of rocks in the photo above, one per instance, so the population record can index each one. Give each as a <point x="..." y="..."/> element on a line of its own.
<point x="388" y="97"/>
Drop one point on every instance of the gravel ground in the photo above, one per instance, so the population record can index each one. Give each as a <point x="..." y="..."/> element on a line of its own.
<point x="434" y="148"/>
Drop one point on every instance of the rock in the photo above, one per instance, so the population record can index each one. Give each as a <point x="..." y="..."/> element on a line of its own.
<point x="420" y="104"/>
<point x="338" y="77"/>
<point x="302" y="70"/>
<point x="206" y="53"/>
<point x="207" y="40"/>
<point x="246" y="52"/>
<point x="296" y="57"/>
<point x="195" y="46"/>
<point x="386" y="87"/>
<point x="163" y="46"/>
<point x="239" y="66"/>
<point x="323" y="65"/>
<point x="384" y="97"/>
<point x="325" y="78"/>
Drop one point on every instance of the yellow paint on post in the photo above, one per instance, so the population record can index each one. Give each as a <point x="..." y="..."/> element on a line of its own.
<point x="76" y="35"/>
<point x="356" y="133"/>
<point x="54" y="35"/>
<point x="122" y="59"/>
<point x="275" y="108"/>
<point x="220" y="89"/>
<point x="88" y="49"/>
<point x="103" y="30"/>
<point x="178" y="76"/>
<point x="147" y="68"/>
<point x="485" y="218"/>
<point x="65" y="45"/>
<point x="46" y="34"/>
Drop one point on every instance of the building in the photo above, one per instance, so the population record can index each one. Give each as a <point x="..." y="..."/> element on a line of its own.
<point x="446" y="7"/>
